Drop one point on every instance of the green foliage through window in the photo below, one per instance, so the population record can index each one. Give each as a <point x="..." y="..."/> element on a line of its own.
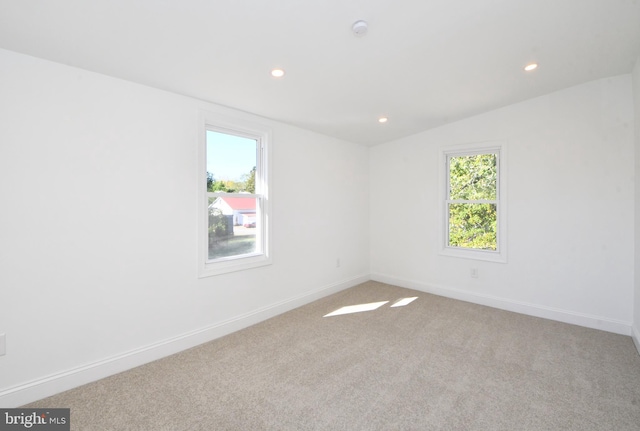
<point x="472" y="201"/>
<point x="246" y="184"/>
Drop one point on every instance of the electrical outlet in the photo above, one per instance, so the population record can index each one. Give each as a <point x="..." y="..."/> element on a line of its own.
<point x="474" y="272"/>
<point x="3" y="344"/>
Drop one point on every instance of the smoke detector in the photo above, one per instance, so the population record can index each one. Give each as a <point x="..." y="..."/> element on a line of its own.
<point x="360" y="28"/>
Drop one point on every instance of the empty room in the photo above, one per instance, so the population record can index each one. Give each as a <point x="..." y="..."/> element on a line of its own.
<point x="320" y="215"/>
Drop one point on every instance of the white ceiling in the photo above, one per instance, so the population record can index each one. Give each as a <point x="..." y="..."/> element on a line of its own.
<point x="422" y="63"/>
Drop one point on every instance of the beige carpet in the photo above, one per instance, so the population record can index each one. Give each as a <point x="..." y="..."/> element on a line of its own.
<point x="435" y="364"/>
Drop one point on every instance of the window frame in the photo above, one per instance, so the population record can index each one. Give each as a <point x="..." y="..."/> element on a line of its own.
<point x="492" y="147"/>
<point x="263" y="135"/>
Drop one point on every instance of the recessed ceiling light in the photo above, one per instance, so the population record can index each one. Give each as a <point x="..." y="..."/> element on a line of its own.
<point x="277" y="73"/>
<point x="383" y="120"/>
<point x="529" y="67"/>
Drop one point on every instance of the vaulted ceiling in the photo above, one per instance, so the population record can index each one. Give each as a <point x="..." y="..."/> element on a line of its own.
<point x="422" y="63"/>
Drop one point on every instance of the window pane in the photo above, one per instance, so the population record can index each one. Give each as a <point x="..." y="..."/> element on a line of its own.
<point x="473" y="226"/>
<point x="232" y="226"/>
<point x="231" y="163"/>
<point x="473" y="177"/>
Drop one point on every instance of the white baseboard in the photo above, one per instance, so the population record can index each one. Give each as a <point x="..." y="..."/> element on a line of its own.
<point x="635" y="335"/>
<point x="68" y="379"/>
<point x="580" y="319"/>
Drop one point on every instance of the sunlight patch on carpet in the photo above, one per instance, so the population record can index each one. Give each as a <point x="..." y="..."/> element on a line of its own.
<point x="404" y="301"/>
<point x="356" y="308"/>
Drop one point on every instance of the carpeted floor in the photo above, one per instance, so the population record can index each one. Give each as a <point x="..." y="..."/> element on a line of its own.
<point x="434" y="364"/>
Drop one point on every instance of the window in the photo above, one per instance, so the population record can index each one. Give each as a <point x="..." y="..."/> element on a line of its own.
<point x="234" y="208"/>
<point x="474" y="204"/>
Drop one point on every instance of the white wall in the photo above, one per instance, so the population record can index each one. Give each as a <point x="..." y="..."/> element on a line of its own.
<point x="636" y="104"/>
<point x="570" y="208"/>
<point x="98" y="227"/>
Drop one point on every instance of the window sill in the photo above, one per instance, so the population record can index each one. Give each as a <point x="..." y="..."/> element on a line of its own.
<point x="239" y="264"/>
<point x="490" y="256"/>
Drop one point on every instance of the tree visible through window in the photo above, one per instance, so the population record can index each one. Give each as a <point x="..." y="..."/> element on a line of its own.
<point x="472" y="201"/>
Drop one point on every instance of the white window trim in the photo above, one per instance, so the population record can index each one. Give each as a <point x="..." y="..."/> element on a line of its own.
<point x="263" y="135"/>
<point x="499" y="147"/>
